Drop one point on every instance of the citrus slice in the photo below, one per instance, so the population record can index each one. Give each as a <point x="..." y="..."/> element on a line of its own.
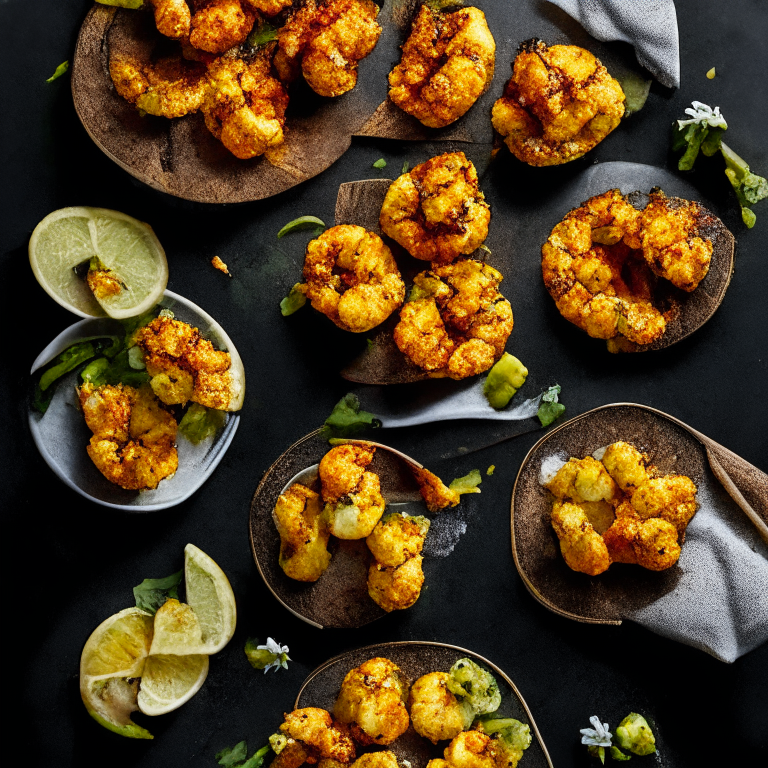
<point x="211" y="597"/>
<point x="170" y="681"/>
<point x="112" y="661"/>
<point x="177" y="631"/>
<point x="123" y="259"/>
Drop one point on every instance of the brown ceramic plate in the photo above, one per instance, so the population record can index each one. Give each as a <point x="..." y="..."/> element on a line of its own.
<point x="339" y="598"/>
<point x="416" y="658"/>
<point x="180" y="156"/>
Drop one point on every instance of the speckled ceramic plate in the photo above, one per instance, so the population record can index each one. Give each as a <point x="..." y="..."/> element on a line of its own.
<point x="61" y="434"/>
<point x="415" y="659"/>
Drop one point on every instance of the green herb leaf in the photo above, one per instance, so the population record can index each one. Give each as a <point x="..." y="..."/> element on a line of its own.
<point x="405" y="167"/>
<point x="60" y="70"/>
<point x="230" y="757"/>
<point x="303" y="222"/>
<point x="503" y="380"/>
<point x="636" y="90"/>
<point x="265" y="33"/>
<point x="152" y="593"/>
<point x="256" y="759"/>
<point x="468" y="483"/>
<point x="294" y="301"/>
<point x="617" y="754"/>
<point x="712" y="141"/>
<point x="695" y="135"/>
<point x="380" y="163"/>
<point x="133" y="4"/>
<point x="597" y="752"/>
<point x="550" y="409"/>
<point x="347" y="420"/>
<point x="117" y="371"/>
<point x="199" y="423"/>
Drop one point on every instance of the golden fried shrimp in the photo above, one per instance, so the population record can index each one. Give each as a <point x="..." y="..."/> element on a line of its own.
<point x="457" y="323"/>
<point x="395" y="589"/>
<point x="184" y="366"/>
<point x="303" y="533"/>
<point x="436" y="211"/>
<point x="244" y="106"/>
<point x="671" y="240"/>
<point x="396" y="538"/>
<point x="672" y="498"/>
<point x="134" y="437"/>
<point x="316" y="729"/>
<point x="471" y="749"/>
<point x="583" y="480"/>
<point x="447" y="63"/>
<point x="620" y="537"/>
<point x="656" y="546"/>
<point x="352" y="278"/>
<point x="354" y="503"/>
<point x="436" y="494"/>
<point x="372" y="701"/>
<point x="325" y="40"/>
<point x="384" y="759"/>
<point x="559" y="103"/>
<point x="435" y="711"/>
<point x="583" y="548"/>
<point x="269" y="7"/>
<point x="170" y="87"/>
<point x="219" y="25"/>
<point x="626" y="465"/>
<point x="172" y="18"/>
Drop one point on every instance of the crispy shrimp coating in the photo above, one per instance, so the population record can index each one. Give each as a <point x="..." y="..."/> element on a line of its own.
<point x="671" y="240"/>
<point x="303" y="533"/>
<point x="395" y="589"/>
<point x="172" y="18"/>
<point x="559" y="103"/>
<point x="672" y="498"/>
<point x="396" y="538"/>
<point x="471" y="749"/>
<point x="316" y="729"/>
<point x="244" y="105"/>
<point x="583" y="480"/>
<point x="218" y="25"/>
<point x="354" y="503"/>
<point x="620" y="537"/>
<point x="583" y="548"/>
<point x="436" y="211"/>
<point x="134" y="437"/>
<point x="626" y="465"/>
<point x="435" y="711"/>
<point x="656" y="546"/>
<point x="184" y="366"/>
<point x="352" y="278"/>
<point x="269" y="7"/>
<point x="458" y="322"/>
<point x="325" y="40"/>
<point x="169" y="87"/>
<point x="384" y="759"/>
<point x="436" y="494"/>
<point x="372" y="701"/>
<point x="447" y="64"/>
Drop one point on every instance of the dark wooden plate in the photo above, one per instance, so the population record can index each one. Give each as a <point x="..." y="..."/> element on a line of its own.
<point x="417" y="658"/>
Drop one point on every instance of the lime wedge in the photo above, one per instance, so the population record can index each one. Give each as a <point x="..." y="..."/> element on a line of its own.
<point x="170" y="681"/>
<point x="128" y="268"/>
<point x="112" y="661"/>
<point x="177" y="631"/>
<point x="211" y="597"/>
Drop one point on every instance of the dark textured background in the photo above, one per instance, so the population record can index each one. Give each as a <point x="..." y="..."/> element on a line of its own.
<point x="70" y="564"/>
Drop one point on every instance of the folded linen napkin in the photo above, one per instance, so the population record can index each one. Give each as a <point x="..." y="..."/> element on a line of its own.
<point x="650" y="26"/>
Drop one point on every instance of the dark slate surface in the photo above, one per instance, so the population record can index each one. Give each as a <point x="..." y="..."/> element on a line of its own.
<point x="70" y="564"/>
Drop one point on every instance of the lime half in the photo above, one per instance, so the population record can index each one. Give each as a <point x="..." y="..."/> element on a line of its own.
<point x="170" y="681"/>
<point x="98" y="262"/>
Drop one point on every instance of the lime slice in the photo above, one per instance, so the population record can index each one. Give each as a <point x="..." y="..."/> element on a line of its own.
<point x="125" y="252"/>
<point x="211" y="597"/>
<point x="177" y="631"/>
<point x="112" y="661"/>
<point x="170" y="681"/>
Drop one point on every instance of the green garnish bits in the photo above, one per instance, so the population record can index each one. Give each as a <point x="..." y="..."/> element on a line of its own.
<point x="475" y="688"/>
<point x="468" y="483"/>
<point x="347" y="420"/>
<point x="199" y="423"/>
<point x="380" y="163"/>
<point x="303" y="222"/>
<point x="151" y="594"/>
<point x="617" y="754"/>
<point x="294" y="301"/>
<point x="263" y="34"/>
<point x="514" y="735"/>
<point x="132" y="4"/>
<point x="550" y="409"/>
<point x="278" y="741"/>
<point x="504" y="379"/>
<point x="235" y="757"/>
<point x="634" y="733"/>
<point x="60" y="70"/>
<point x="636" y="90"/>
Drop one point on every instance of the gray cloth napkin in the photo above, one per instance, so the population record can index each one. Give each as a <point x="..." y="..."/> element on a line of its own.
<point x="648" y="25"/>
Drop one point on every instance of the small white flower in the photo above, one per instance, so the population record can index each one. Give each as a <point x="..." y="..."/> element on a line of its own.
<point x="701" y="114"/>
<point x="280" y="653"/>
<point x="599" y="736"/>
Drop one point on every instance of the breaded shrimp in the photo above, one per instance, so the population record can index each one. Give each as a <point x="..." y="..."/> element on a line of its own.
<point x="436" y="210"/>
<point x="583" y="548"/>
<point x="435" y="712"/>
<point x="626" y="465"/>
<point x="656" y="546"/>
<point x="398" y="588"/>
<point x="672" y="498"/>
<point x="436" y="494"/>
<point x="218" y="25"/>
<point x="396" y="538"/>
<point x="559" y="104"/>
<point x="316" y="729"/>
<point x="470" y="749"/>
<point x="172" y="18"/>
<point x="447" y="63"/>
<point x="352" y="278"/>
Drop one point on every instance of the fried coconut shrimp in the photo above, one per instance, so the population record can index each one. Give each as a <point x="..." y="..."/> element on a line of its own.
<point x="244" y="106"/>
<point x="436" y="211"/>
<point x="626" y="465"/>
<point x="582" y="546"/>
<point x="435" y="712"/>
<point x="372" y="702"/>
<point x="447" y="64"/>
<point x="170" y="87"/>
<point x="650" y="543"/>
<point x="134" y="436"/>
<point x="172" y="18"/>
<point x="559" y="104"/>
<point x="324" y="40"/>
<point x="352" y="278"/>
<point x="671" y="498"/>
<point x="436" y="494"/>
<point x="184" y="366"/>
<point x="319" y="735"/>
<point x="352" y="495"/>
<point x="457" y="323"/>
<point x="395" y="589"/>
<point x="218" y="25"/>
<point x="303" y="533"/>
<point x="396" y="538"/>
